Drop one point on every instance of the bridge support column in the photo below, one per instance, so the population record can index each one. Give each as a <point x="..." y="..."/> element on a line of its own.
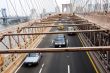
<point x="4" y="21"/>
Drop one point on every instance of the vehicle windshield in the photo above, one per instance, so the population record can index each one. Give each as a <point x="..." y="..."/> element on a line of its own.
<point x="60" y="36"/>
<point x="32" y="55"/>
<point x="59" y="39"/>
<point x="70" y="28"/>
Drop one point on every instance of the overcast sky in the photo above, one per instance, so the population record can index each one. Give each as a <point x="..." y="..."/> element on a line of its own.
<point x="49" y="5"/>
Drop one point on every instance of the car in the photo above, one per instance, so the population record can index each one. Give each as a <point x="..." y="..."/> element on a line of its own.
<point x="71" y="29"/>
<point x="60" y="26"/>
<point x="32" y="59"/>
<point x="60" y="41"/>
<point x="61" y="35"/>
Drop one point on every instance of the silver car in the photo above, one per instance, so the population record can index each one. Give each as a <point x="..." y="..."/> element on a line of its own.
<point x="32" y="59"/>
<point x="60" y="41"/>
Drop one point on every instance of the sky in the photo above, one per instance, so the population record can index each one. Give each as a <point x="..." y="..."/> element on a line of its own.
<point x="13" y="6"/>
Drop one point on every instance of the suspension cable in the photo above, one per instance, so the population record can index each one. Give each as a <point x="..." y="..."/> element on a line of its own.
<point x="57" y="5"/>
<point x="7" y="7"/>
<point x="37" y="6"/>
<point x="40" y="3"/>
<point x="27" y="5"/>
<point x="33" y="6"/>
<point x="13" y="8"/>
<point x="85" y="3"/>
<point x="22" y="7"/>
<point x="73" y="5"/>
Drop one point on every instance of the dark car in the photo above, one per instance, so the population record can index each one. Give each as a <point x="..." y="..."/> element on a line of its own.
<point x="60" y="41"/>
<point x="71" y="29"/>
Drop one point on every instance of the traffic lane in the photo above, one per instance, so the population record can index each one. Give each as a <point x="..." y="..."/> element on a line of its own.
<point x="79" y="61"/>
<point x="44" y="43"/>
<point x="58" y="64"/>
<point x="73" y="62"/>
<point x="73" y="41"/>
<point x="52" y="59"/>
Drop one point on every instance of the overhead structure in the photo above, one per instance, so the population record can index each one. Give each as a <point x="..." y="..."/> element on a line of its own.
<point x="56" y="50"/>
<point x="67" y="8"/>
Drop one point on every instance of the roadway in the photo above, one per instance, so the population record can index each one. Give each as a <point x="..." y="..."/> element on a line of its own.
<point x="72" y="62"/>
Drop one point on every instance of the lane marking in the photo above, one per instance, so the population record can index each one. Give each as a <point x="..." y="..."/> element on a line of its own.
<point x="19" y="67"/>
<point x="68" y="68"/>
<point x="93" y="64"/>
<point x="40" y="70"/>
<point x="42" y="65"/>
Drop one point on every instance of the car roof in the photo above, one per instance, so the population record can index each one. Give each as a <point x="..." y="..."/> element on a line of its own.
<point x="60" y="24"/>
<point x="59" y="39"/>
<point x="70" y="27"/>
<point x="32" y="54"/>
<point x="60" y="35"/>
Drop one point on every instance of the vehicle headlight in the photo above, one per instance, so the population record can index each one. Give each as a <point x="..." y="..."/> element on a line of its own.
<point x="63" y="43"/>
<point x="56" y="43"/>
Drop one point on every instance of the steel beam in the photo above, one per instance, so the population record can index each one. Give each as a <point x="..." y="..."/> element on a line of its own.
<point x="58" y="25"/>
<point x="1" y="37"/>
<point x="43" y="50"/>
<point x="59" y="32"/>
<point x="42" y="23"/>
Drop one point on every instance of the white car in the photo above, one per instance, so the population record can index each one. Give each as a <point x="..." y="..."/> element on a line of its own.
<point x="60" y="41"/>
<point x="32" y="59"/>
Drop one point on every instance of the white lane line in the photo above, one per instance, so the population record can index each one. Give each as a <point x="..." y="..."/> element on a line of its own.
<point x="68" y="68"/>
<point x="42" y="65"/>
<point x="19" y="67"/>
<point x="40" y="70"/>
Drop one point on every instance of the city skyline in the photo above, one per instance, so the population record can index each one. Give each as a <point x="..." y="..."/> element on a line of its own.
<point x="27" y="5"/>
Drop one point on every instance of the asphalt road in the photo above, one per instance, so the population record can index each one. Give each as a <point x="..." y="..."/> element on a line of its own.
<point x="72" y="62"/>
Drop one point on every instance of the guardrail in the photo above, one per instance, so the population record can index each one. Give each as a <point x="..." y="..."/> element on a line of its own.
<point x="18" y="42"/>
<point x="98" y="39"/>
